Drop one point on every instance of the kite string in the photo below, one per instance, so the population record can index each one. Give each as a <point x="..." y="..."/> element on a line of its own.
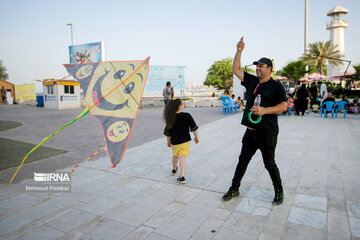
<point x="78" y="165"/>
<point x="86" y="111"/>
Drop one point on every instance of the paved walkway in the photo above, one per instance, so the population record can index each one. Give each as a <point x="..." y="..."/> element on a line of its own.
<point x="82" y="138"/>
<point x="318" y="160"/>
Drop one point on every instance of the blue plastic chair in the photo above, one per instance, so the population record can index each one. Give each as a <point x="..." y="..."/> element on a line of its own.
<point x="289" y="111"/>
<point x="325" y="107"/>
<point x="340" y="105"/>
<point x="227" y="106"/>
<point x="236" y="106"/>
<point x="232" y="105"/>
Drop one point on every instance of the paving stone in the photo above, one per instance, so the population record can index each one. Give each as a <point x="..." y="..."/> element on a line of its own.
<point x="299" y="232"/>
<point x="135" y="215"/>
<point x="188" y="195"/>
<point x="244" y="222"/>
<point x="267" y="234"/>
<point x="221" y="214"/>
<point x="138" y="234"/>
<point x="353" y="209"/>
<point x="42" y="209"/>
<point x="13" y="222"/>
<point x="99" y="205"/>
<point x="178" y="227"/>
<point x="253" y="206"/>
<point x="260" y="194"/>
<point x="225" y="233"/>
<point x="109" y="230"/>
<point x="354" y="227"/>
<point x="197" y="211"/>
<point x="277" y="218"/>
<point x="155" y="236"/>
<point x="306" y="217"/>
<point x="310" y="202"/>
<point x="338" y="227"/>
<point x="158" y="219"/>
<point x="68" y="222"/>
<point x="336" y="202"/>
<point x="42" y="232"/>
<point x="208" y="229"/>
<point x="122" y="193"/>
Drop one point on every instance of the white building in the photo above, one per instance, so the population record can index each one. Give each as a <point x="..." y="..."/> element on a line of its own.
<point x="61" y="94"/>
<point x="336" y="27"/>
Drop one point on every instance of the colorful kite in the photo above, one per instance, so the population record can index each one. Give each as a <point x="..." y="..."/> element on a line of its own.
<point x="113" y="92"/>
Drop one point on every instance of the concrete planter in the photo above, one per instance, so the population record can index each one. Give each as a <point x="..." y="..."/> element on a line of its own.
<point x="216" y="103"/>
<point x="189" y="104"/>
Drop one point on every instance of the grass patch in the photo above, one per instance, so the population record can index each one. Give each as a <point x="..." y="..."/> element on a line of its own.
<point x="13" y="152"/>
<point x="7" y="125"/>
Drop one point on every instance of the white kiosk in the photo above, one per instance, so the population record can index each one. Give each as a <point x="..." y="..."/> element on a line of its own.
<point x="61" y="94"/>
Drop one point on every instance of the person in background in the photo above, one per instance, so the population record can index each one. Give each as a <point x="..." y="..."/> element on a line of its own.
<point x="313" y="94"/>
<point x="323" y="91"/>
<point x="240" y="103"/>
<point x="290" y="102"/>
<point x="168" y="91"/>
<point x="329" y="98"/>
<point x="3" y="95"/>
<point x="301" y="100"/>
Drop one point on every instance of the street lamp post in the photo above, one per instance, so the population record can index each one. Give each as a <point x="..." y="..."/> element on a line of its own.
<point x="306" y="32"/>
<point x="72" y="41"/>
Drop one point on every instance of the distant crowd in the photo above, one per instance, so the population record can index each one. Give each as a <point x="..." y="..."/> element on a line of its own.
<point x="303" y="99"/>
<point x="312" y="97"/>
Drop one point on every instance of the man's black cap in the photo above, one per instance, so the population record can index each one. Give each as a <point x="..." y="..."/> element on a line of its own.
<point x="263" y="61"/>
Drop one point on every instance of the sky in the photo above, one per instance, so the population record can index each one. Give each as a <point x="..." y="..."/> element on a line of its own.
<point x="34" y="36"/>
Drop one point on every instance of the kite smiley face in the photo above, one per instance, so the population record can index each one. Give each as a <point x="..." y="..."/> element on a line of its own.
<point x="84" y="72"/>
<point x="122" y="95"/>
<point x="118" y="131"/>
<point x="115" y="90"/>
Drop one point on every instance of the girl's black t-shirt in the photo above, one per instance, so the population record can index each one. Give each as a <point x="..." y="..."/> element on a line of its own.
<point x="179" y="133"/>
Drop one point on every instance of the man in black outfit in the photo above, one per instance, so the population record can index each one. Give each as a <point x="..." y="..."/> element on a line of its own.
<point x="263" y="135"/>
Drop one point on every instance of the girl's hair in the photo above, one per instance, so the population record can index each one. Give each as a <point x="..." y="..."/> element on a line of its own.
<point x="170" y="112"/>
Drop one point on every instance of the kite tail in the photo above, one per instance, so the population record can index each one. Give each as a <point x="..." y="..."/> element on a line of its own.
<point x="86" y="111"/>
<point x="76" y="166"/>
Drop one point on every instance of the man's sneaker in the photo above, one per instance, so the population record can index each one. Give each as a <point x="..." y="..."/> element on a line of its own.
<point x="230" y="194"/>
<point x="279" y="197"/>
<point x="181" y="179"/>
<point x="174" y="171"/>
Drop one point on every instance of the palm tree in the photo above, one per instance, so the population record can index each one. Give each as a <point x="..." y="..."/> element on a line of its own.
<point x="293" y="70"/>
<point x="3" y="71"/>
<point x="318" y="52"/>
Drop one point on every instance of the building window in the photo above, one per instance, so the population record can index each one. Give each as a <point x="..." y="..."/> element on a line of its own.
<point x="50" y="89"/>
<point x="68" y="89"/>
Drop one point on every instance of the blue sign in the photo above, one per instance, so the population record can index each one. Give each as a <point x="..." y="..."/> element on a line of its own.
<point x="86" y="53"/>
<point x="159" y="75"/>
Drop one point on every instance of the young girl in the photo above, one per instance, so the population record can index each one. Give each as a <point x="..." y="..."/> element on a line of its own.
<point x="177" y="132"/>
<point x="290" y="104"/>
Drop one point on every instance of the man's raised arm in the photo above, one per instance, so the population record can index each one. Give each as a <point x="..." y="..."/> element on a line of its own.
<point x="236" y="64"/>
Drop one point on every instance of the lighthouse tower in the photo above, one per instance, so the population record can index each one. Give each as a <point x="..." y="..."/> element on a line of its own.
<point x="336" y="27"/>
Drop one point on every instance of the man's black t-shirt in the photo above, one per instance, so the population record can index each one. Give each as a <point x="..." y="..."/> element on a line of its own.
<point x="180" y="131"/>
<point x="272" y="93"/>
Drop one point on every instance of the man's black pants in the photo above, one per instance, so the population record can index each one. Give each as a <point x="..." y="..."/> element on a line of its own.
<point x="252" y="141"/>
